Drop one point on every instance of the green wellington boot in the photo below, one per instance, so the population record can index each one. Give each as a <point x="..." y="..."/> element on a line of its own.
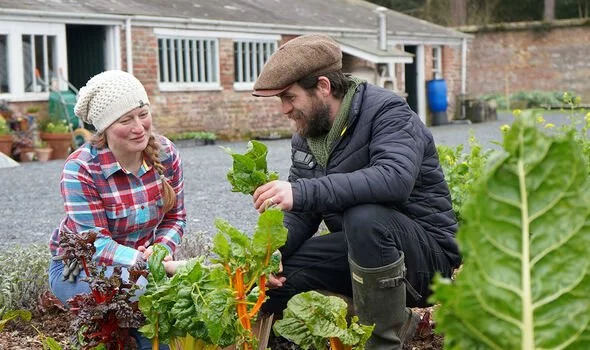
<point x="379" y="296"/>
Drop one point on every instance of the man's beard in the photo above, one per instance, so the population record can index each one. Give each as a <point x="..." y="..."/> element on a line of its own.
<point x="316" y="124"/>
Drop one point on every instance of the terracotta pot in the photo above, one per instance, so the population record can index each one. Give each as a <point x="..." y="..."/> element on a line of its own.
<point x="61" y="144"/>
<point x="6" y="144"/>
<point x="27" y="154"/>
<point x="43" y="154"/>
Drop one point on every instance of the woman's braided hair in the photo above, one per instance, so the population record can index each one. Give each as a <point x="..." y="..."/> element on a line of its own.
<point x="152" y="156"/>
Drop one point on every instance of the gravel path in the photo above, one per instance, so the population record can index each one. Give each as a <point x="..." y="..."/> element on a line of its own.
<point x="31" y="206"/>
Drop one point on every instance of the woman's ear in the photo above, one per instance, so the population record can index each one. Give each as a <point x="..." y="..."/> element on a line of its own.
<point x="324" y="86"/>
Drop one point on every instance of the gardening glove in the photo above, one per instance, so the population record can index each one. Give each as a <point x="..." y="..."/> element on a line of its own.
<point x="72" y="268"/>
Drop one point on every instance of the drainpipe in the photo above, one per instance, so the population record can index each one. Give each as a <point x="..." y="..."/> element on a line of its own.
<point x="128" y="45"/>
<point x="463" y="66"/>
<point x="382" y="32"/>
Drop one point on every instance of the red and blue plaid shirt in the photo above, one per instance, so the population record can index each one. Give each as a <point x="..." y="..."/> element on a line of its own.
<point x="123" y="208"/>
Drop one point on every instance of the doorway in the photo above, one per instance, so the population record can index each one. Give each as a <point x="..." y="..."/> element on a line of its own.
<point x="411" y="78"/>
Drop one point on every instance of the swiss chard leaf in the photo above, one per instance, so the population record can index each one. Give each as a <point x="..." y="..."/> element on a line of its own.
<point x="525" y="280"/>
<point x="250" y="169"/>
<point x="311" y="318"/>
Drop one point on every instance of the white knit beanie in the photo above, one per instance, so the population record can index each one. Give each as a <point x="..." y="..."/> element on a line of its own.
<point x="108" y="96"/>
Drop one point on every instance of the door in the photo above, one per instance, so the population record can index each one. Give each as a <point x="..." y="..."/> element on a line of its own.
<point x="86" y="56"/>
<point x="411" y="78"/>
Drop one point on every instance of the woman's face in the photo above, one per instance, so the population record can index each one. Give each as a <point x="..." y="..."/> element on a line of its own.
<point x="131" y="132"/>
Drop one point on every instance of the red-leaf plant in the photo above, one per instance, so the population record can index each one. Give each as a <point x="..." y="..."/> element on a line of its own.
<point x="105" y="315"/>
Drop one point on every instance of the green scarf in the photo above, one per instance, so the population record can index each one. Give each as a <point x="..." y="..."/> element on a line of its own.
<point x="321" y="146"/>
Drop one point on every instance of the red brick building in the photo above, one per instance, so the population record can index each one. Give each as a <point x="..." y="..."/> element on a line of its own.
<point x="198" y="59"/>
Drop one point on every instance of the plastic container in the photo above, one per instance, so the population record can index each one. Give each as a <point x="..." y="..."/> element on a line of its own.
<point x="436" y="91"/>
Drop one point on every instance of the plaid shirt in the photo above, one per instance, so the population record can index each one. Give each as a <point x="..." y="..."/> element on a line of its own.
<point x="124" y="209"/>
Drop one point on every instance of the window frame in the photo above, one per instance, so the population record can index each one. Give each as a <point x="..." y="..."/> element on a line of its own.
<point x="14" y="32"/>
<point x="437" y="69"/>
<point x="248" y="84"/>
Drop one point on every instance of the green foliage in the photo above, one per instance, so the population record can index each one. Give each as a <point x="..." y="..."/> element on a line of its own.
<point x="202" y="301"/>
<point x="528" y="99"/>
<point x="311" y="319"/>
<point x="54" y="126"/>
<point x="23" y="277"/>
<point x="462" y="170"/>
<point x="4" y="129"/>
<point x="525" y="280"/>
<point x="249" y="169"/>
<point x="192" y="135"/>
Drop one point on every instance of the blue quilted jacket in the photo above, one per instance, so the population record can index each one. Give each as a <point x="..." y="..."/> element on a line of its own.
<point x="386" y="155"/>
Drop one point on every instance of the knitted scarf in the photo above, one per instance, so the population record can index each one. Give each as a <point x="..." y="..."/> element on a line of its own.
<point x="321" y="146"/>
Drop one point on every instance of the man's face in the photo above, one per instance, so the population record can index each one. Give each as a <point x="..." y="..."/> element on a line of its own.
<point x="307" y="109"/>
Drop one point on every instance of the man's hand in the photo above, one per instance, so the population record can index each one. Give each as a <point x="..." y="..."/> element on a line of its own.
<point x="274" y="194"/>
<point x="275" y="281"/>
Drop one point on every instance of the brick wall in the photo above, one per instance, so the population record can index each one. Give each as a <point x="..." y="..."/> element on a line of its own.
<point x="529" y="57"/>
<point x="229" y="113"/>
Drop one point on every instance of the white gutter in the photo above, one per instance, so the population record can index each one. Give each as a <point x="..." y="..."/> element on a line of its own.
<point x="421" y="83"/>
<point x="464" y="66"/>
<point x="128" y="45"/>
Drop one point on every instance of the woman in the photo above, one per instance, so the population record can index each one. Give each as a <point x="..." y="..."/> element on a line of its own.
<point x="126" y="184"/>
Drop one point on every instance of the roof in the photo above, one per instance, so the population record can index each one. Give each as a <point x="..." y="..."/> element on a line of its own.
<point x="343" y="15"/>
<point x="368" y="49"/>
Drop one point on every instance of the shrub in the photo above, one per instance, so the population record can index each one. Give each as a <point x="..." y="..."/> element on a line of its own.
<point x="4" y="129"/>
<point x="23" y="277"/>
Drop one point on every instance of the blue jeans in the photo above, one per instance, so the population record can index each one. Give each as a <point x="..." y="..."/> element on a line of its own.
<point x="65" y="290"/>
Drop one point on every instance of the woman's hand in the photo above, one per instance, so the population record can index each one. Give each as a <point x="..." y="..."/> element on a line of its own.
<point x="147" y="251"/>
<point x="172" y="265"/>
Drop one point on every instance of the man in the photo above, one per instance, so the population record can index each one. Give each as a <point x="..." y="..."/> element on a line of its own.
<point x="366" y="165"/>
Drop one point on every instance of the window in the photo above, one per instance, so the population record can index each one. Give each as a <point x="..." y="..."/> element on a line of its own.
<point x="186" y="62"/>
<point x="38" y="57"/>
<point x="31" y="55"/>
<point x="249" y="58"/>
<point x="437" y="62"/>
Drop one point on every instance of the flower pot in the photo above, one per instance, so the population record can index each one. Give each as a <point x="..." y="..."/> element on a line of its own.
<point x="43" y="154"/>
<point x="6" y="144"/>
<point x="27" y="154"/>
<point x="61" y="144"/>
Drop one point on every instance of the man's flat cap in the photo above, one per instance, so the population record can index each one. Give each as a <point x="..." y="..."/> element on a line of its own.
<point x="307" y="55"/>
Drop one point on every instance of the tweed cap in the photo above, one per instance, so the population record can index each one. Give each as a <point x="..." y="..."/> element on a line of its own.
<point x="307" y="55"/>
<point x="108" y="96"/>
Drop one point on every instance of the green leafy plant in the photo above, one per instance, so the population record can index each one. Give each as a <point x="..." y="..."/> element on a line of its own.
<point x="211" y="304"/>
<point x="54" y="126"/>
<point x="4" y="129"/>
<point x="33" y="110"/>
<point x="462" y="170"/>
<point x="250" y="169"/>
<point x="23" y="277"/>
<point x="525" y="280"/>
<point x="312" y="320"/>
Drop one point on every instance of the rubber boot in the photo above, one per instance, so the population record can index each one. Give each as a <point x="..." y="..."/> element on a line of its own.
<point x="379" y="296"/>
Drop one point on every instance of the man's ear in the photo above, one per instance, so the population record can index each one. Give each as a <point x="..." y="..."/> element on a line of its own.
<point x="324" y="87"/>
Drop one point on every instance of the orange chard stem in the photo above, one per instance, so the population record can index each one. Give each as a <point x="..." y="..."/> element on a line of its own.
<point x="336" y="344"/>
<point x="261" y="297"/>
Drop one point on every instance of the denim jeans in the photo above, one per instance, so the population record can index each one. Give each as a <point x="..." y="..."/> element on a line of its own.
<point x="65" y="290"/>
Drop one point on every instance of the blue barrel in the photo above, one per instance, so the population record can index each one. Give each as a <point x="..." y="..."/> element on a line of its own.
<point x="436" y="91"/>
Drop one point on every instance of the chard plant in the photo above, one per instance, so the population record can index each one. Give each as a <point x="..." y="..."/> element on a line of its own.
<point x="250" y="170"/>
<point x="525" y="280"/>
<point x="313" y="320"/>
<point x="103" y="317"/>
<point x="211" y="304"/>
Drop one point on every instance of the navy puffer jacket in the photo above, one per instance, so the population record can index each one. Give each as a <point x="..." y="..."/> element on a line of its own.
<point x="386" y="155"/>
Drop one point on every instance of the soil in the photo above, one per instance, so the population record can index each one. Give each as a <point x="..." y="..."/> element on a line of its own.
<point x="23" y="336"/>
